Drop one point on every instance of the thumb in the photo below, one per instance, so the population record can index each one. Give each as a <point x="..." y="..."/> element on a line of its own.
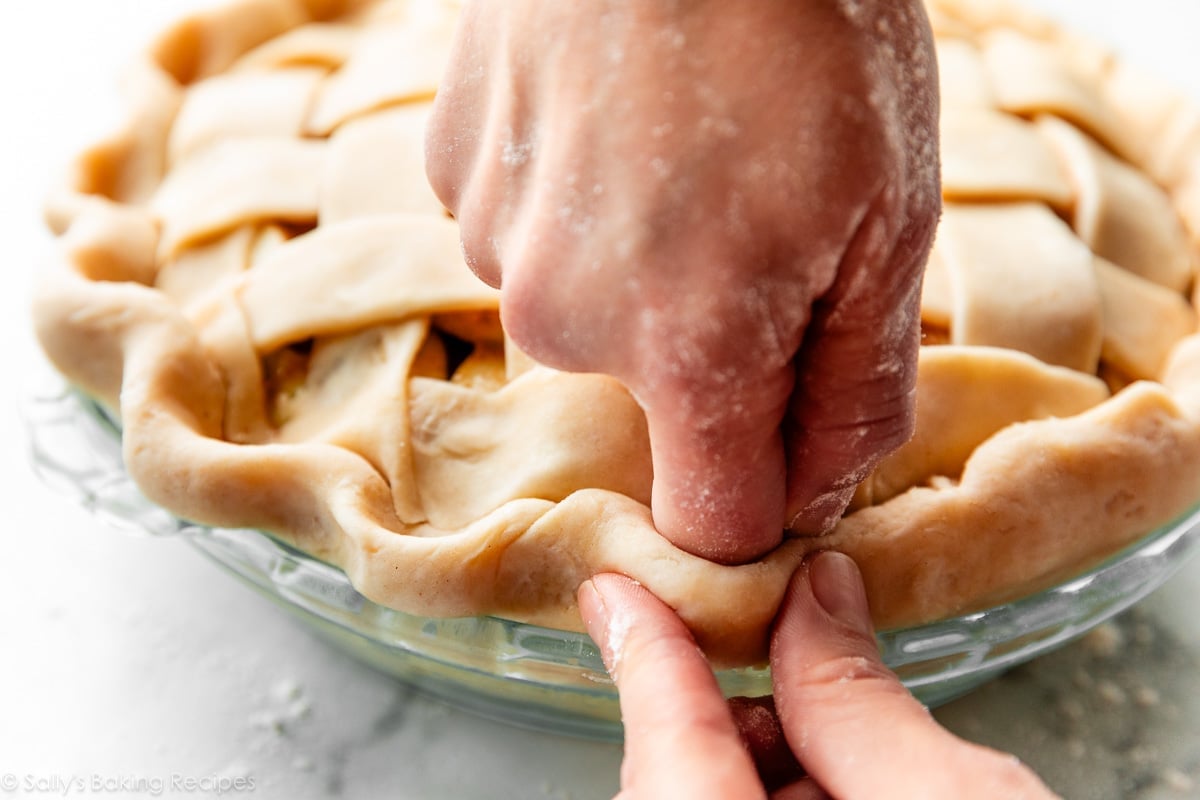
<point x="848" y="718"/>
<point x="856" y="373"/>
<point x="719" y="466"/>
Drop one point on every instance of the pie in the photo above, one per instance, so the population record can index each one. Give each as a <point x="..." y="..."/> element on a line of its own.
<point x="254" y="275"/>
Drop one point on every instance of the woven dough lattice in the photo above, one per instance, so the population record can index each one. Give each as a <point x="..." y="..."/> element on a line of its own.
<point x="255" y="275"/>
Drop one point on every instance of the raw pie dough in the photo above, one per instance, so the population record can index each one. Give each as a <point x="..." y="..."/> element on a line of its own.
<point x="255" y="275"/>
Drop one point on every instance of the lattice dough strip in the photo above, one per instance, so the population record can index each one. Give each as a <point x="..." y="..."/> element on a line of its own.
<point x="201" y="270"/>
<point x="973" y="17"/>
<point x="946" y="26"/>
<point x="358" y="273"/>
<point x="237" y="182"/>
<point x="1178" y="157"/>
<point x="1000" y="387"/>
<point x="544" y="435"/>
<point x="1187" y="200"/>
<point x="376" y="165"/>
<point x="387" y="12"/>
<point x="1149" y="108"/>
<point x="221" y="331"/>
<point x="1120" y="213"/>
<point x="389" y="64"/>
<point x="207" y="43"/>
<point x="355" y="396"/>
<point x="1142" y="321"/>
<point x="318" y="44"/>
<point x="962" y="76"/>
<point x="227" y="106"/>
<point x="1031" y="77"/>
<point x="202" y="281"/>
<point x="1021" y="279"/>
<point x="341" y="373"/>
<point x="991" y="155"/>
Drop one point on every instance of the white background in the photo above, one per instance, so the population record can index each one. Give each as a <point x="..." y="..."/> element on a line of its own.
<point x="124" y="657"/>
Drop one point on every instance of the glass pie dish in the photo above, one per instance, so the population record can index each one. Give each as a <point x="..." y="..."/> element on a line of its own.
<point x="538" y="677"/>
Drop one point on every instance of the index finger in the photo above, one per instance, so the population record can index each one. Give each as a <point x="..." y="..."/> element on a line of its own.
<point x="680" y="737"/>
<point x="849" y="719"/>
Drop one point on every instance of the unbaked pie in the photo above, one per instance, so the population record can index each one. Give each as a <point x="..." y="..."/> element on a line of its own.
<point x="254" y="275"/>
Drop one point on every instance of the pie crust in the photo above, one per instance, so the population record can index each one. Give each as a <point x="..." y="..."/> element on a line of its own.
<point x="254" y="275"/>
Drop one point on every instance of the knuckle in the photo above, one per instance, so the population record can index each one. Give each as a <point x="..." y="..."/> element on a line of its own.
<point x="443" y="161"/>
<point x="846" y="669"/>
<point x="543" y="320"/>
<point x="529" y="299"/>
<point x="478" y="245"/>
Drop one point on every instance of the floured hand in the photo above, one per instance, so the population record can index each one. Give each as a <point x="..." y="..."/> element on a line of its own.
<point x="725" y="205"/>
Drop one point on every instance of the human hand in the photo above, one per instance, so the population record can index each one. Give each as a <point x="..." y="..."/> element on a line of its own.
<point x="728" y="207"/>
<point x="842" y="725"/>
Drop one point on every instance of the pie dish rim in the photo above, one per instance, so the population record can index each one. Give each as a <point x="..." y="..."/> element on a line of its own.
<point x="537" y="677"/>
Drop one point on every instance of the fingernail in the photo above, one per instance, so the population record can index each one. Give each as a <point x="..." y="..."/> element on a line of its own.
<point x="608" y="633"/>
<point x="591" y="604"/>
<point x="837" y="585"/>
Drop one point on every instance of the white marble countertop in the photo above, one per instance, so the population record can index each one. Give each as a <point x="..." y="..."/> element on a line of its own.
<point x="134" y="667"/>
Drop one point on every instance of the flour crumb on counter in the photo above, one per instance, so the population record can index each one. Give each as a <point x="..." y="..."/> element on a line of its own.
<point x="1105" y="640"/>
<point x="286" y="689"/>
<point x="1111" y="693"/>
<point x="1177" y="780"/>
<point x="1143" y="755"/>
<point x="1071" y="709"/>
<point x="1146" y="696"/>
<point x="303" y="764"/>
<point x="287" y="706"/>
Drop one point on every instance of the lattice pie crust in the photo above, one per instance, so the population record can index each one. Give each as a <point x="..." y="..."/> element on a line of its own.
<point x="255" y="275"/>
